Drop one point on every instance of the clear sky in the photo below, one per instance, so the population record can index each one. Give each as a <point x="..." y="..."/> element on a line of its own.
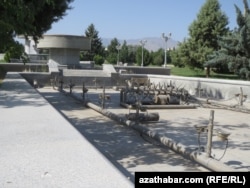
<point x="133" y="19"/>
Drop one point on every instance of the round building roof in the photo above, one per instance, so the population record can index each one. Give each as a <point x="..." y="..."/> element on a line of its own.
<point x="64" y="41"/>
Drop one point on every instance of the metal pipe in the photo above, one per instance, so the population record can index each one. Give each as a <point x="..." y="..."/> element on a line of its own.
<point x="144" y="117"/>
<point x="162" y="106"/>
<point x="210" y="133"/>
<point x="196" y="156"/>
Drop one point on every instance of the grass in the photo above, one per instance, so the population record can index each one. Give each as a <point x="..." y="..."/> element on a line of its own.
<point x="187" y="72"/>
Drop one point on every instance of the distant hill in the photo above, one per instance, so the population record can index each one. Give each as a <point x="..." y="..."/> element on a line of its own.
<point x="152" y="44"/>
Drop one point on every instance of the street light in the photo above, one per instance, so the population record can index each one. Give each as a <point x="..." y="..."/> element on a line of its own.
<point x="118" y="47"/>
<point x="143" y="42"/>
<point x="166" y="40"/>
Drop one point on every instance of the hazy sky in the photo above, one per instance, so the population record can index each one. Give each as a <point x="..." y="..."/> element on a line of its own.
<point x="133" y="19"/>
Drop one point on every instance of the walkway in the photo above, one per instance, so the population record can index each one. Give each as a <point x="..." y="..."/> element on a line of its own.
<point x="40" y="148"/>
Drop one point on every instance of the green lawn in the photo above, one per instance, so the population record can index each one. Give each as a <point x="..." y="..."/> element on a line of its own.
<point x="187" y="72"/>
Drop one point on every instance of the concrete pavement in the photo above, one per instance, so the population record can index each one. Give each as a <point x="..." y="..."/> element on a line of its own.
<point x="40" y="148"/>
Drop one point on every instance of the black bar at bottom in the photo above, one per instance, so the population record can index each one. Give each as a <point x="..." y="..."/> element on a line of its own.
<point x="194" y="179"/>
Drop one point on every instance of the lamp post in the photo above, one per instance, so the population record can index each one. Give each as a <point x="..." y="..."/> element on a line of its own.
<point x="118" y="47"/>
<point x="143" y="42"/>
<point x="166" y="40"/>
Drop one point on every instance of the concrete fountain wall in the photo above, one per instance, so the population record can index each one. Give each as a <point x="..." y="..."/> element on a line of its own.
<point x="211" y="88"/>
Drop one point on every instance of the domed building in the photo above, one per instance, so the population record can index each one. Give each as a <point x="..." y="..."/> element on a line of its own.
<point x="63" y="50"/>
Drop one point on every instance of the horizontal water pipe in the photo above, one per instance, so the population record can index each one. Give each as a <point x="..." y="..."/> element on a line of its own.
<point x="162" y="106"/>
<point x="198" y="157"/>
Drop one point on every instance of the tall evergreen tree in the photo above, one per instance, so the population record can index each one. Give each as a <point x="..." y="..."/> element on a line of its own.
<point x="124" y="53"/>
<point x="96" y="44"/>
<point x="211" y="23"/>
<point x="112" y="51"/>
<point x="234" y="53"/>
<point x="131" y="54"/>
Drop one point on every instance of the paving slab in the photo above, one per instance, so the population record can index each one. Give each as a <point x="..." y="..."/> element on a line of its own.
<point x="40" y="148"/>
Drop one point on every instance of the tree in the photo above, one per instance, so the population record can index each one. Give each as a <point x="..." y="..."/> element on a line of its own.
<point x="96" y="45"/>
<point x="124" y="53"/>
<point x="112" y="51"/>
<point x="32" y="17"/>
<point x="28" y="18"/>
<point x="14" y="52"/>
<point x="6" y="36"/>
<point x="211" y="23"/>
<point x="99" y="60"/>
<point x="180" y="56"/>
<point x="131" y="54"/>
<point x="158" y="57"/>
<point x="234" y="53"/>
<point x="147" y="59"/>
